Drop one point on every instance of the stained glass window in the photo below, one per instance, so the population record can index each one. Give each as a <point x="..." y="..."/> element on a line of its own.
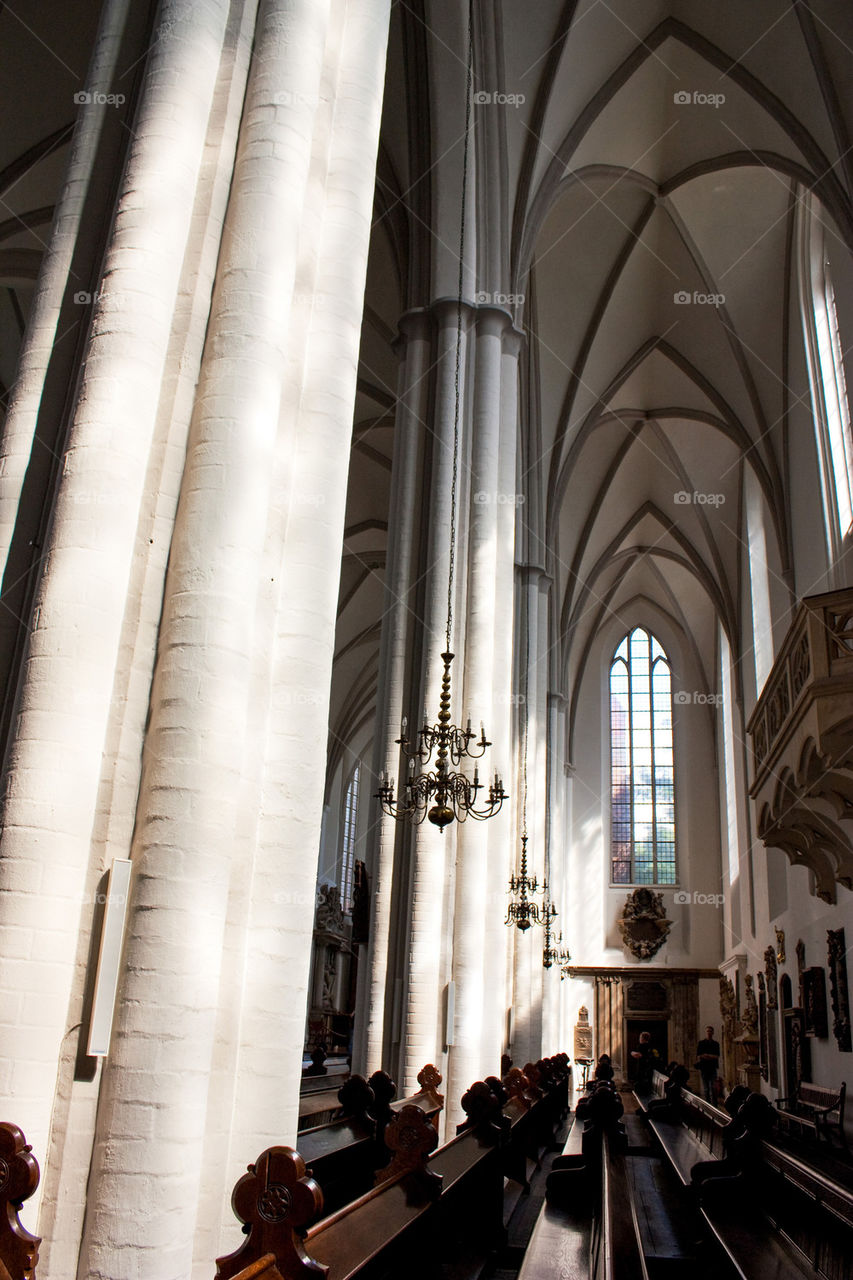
<point x="642" y="790"/>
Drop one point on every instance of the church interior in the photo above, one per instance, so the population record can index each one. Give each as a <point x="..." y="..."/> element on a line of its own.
<point x="426" y="510"/>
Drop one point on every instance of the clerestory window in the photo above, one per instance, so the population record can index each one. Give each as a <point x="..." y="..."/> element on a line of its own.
<point x="827" y="383"/>
<point x="642" y="796"/>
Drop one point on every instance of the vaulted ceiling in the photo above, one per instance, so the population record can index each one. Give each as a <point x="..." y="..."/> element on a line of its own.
<point x="640" y="163"/>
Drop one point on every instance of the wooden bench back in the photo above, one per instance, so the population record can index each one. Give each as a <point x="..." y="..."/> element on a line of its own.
<point x="818" y="1095"/>
<point x="19" y="1177"/>
<point x="419" y="1202"/>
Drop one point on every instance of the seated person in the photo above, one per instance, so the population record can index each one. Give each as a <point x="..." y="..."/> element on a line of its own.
<point x="604" y="1068"/>
<point x="742" y="1139"/>
<point x="669" y="1106"/>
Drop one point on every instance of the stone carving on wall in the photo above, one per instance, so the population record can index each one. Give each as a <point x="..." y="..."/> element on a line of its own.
<point x="583" y="1036"/>
<point x="728" y="1006"/>
<point x="838" y="989"/>
<point x="770" y="973"/>
<point x="750" y="1012"/>
<point x="329" y="917"/>
<point x="780" y="945"/>
<point x="763" y="1050"/>
<point x="801" y="964"/>
<point x="643" y="923"/>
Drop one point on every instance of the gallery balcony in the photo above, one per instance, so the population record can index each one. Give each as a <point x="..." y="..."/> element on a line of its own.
<point x="802" y="744"/>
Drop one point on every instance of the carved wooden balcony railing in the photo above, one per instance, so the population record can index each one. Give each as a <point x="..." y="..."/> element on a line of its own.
<point x="802" y="744"/>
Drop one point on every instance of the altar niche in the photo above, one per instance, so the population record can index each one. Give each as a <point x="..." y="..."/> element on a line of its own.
<point x="628" y="1001"/>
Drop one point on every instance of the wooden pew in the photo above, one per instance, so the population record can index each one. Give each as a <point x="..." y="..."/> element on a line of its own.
<point x="344" y="1155"/>
<point x="785" y="1222"/>
<point x="19" y="1177"/>
<point x="423" y="1201"/>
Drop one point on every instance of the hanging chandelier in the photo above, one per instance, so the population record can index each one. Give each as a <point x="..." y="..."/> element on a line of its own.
<point x="440" y="794"/>
<point x="522" y="912"/>
<point x="563" y="959"/>
<point x="550" y="952"/>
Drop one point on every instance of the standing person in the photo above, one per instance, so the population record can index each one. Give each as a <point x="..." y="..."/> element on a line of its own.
<point x="644" y="1056"/>
<point x="708" y="1061"/>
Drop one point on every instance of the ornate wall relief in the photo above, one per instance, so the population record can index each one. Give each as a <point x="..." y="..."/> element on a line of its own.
<point x="643" y="923"/>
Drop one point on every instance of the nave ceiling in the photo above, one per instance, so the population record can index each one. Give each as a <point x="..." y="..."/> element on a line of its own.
<point x="603" y="202"/>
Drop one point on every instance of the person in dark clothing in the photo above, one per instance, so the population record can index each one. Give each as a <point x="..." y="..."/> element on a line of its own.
<point x="708" y="1062"/>
<point x="741" y="1142"/>
<point x="644" y="1062"/>
<point x="604" y="1068"/>
<point x="669" y="1106"/>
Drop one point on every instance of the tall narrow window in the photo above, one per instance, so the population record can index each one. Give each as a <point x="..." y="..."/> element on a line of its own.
<point x="827" y="382"/>
<point x="642" y="808"/>
<point x="348" y="840"/>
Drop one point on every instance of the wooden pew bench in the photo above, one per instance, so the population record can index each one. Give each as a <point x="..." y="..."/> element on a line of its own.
<point x="815" y="1111"/>
<point x="735" y="1218"/>
<point x="421" y="1206"/>
<point x="343" y="1155"/>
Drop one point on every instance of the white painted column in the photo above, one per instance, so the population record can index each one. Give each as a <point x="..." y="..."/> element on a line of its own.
<point x="468" y="1059"/>
<point x="431" y="851"/>
<point x="500" y="940"/>
<point x="316" y="463"/>
<point x="147" y="1164"/>
<point x="400" y="578"/>
<point x="54" y="767"/>
<point x="36" y="349"/>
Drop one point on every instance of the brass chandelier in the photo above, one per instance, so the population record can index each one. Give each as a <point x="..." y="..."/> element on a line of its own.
<point x="440" y="794"/>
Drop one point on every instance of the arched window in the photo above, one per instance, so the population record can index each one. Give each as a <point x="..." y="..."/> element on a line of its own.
<point x="642" y="796"/>
<point x="348" y="838"/>
<point x="827" y="382"/>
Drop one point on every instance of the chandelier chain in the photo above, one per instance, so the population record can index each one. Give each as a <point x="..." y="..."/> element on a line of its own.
<point x="469" y="79"/>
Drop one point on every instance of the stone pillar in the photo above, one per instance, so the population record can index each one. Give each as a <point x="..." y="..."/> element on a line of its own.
<point x="202" y="771"/>
<point x="35" y="354"/>
<point x="55" y="763"/>
<point x="371" y="1032"/>
<point x="499" y="940"/>
<point x="469" y="1059"/>
<point x="427" y="966"/>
